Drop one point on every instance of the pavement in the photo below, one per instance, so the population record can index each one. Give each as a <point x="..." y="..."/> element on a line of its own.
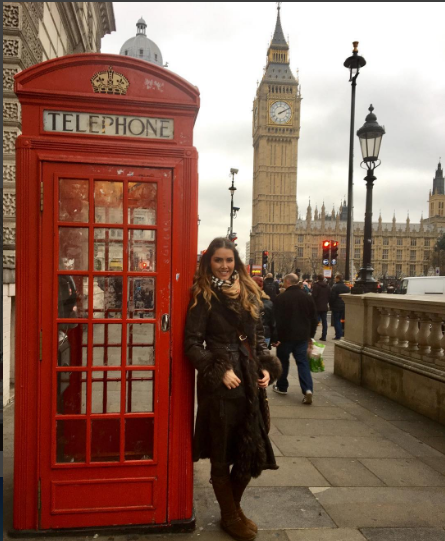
<point x="354" y="466"/>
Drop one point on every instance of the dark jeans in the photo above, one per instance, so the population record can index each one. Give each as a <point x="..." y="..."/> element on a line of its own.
<point x="299" y="351"/>
<point x="338" y="316"/>
<point x="324" y="324"/>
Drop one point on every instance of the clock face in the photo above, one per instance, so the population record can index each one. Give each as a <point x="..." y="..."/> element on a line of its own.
<point x="280" y="112"/>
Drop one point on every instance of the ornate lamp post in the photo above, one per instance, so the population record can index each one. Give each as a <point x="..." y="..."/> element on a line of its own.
<point x="353" y="64"/>
<point x="233" y="210"/>
<point x="370" y="136"/>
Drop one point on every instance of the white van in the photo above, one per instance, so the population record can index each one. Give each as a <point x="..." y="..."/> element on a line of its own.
<point x="423" y="285"/>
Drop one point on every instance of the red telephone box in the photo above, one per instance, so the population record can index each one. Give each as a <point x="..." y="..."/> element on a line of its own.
<point x="106" y="250"/>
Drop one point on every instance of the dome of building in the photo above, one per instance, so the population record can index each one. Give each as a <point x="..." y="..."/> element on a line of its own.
<point x="142" y="47"/>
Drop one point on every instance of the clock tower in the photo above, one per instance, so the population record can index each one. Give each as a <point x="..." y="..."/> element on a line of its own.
<point x="276" y="130"/>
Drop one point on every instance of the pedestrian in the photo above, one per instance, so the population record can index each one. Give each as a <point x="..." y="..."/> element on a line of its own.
<point x="307" y="285"/>
<point x="320" y="294"/>
<point x="296" y="321"/>
<point x="270" y="287"/>
<point x="232" y="365"/>
<point x="267" y="316"/>
<point x="337" y="304"/>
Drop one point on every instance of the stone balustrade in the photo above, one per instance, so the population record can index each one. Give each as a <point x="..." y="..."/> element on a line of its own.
<point x="395" y="345"/>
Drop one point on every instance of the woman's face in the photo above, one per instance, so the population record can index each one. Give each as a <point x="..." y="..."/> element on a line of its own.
<point x="222" y="263"/>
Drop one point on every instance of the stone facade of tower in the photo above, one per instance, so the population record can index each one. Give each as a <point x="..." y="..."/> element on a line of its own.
<point x="436" y="202"/>
<point x="276" y="130"/>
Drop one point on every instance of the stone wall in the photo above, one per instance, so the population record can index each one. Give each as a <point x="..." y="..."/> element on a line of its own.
<point x="395" y="346"/>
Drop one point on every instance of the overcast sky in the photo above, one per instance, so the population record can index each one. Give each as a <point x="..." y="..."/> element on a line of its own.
<point x="221" y="48"/>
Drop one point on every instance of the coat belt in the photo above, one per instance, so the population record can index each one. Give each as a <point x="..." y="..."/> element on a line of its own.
<point x="227" y="347"/>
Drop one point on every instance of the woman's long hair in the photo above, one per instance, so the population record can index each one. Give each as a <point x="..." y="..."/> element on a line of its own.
<point x="249" y="293"/>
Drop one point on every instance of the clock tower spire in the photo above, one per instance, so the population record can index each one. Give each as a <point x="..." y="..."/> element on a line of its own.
<point x="276" y="130"/>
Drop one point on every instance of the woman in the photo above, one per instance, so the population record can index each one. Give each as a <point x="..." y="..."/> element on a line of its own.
<point x="233" y="364"/>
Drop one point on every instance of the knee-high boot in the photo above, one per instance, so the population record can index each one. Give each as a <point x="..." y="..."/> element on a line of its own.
<point x="230" y="519"/>
<point x="238" y="488"/>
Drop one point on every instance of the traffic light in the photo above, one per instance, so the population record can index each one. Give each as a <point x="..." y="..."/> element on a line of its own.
<point x="334" y="252"/>
<point x="325" y="255"/>
<point x="265" y="258"/>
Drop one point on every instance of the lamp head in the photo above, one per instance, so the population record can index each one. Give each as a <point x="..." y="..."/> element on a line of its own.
<point x="233" y="171"/>
<point x="370" y="136"/>
<point x="354" y="62"/>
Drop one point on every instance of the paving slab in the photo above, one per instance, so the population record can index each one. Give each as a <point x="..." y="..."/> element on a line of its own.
<point x="331" y="534"/>
<point x="271" y="508"/>
<point x="404" y="472"/>
<point x="403" y="534"/>
<point x="422" y="429"/>
<point x="384" y="507"/>
<point x="292" y="472"/>
<point x="292" y="412"/>
<point x="436" y="443"/>
<point x="336" y="398"/>
<point x="437" y="463"/>
<point x="294" y="397"/>
<point x="389" y="410"/>
<point x="298" y="472"/>
<point x="322" y="427"/>
<point x="411" y="444"/>
<point x="338" y="446"/>
<point x="346" y="472"/>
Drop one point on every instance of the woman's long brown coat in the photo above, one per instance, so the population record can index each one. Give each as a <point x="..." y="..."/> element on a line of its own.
<point x="213" y="346"/>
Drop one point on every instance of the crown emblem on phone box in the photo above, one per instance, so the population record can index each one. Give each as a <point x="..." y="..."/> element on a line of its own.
<point x="110" y="82"/>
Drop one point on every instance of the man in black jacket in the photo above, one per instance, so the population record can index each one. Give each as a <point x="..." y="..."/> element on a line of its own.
<point x="320" y="294"/>
<point x="270" y="287"/>
<point x="337" y="304"/>
<point x="296" y="321"/>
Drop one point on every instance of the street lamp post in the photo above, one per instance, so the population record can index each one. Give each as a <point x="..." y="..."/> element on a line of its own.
<point x="233" y="210"/>
<point x="353" y="63"/>
<point x="370" y="135"/>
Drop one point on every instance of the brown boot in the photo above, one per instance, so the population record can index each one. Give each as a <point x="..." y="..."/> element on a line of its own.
<point x="238" y="488"/>
<point x="231" y="522"/>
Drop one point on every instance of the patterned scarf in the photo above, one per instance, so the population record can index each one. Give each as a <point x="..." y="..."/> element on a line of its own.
<point x="230" y="287"/>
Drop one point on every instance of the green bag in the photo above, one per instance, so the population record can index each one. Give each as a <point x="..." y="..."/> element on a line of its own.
<point x="316" y="363"/>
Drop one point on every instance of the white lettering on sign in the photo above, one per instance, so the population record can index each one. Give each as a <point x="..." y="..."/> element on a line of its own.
<point x="110" y="125"/>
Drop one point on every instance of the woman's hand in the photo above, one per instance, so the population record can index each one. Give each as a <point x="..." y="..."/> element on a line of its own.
<point x="263" y="383"/>
<point x="231" y="380"/>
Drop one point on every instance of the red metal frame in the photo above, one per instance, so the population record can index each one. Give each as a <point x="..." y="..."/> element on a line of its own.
<point x="63" y="84"/>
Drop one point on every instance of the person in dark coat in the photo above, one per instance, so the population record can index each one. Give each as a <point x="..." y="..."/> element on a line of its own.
<point x="337" y="304"/>
<point x="320" y="294"/>
<point x="296" y="320"/>
<point x="267" y="316"/>
<point x="270" y="287"/>
<point x="224" y="313"/>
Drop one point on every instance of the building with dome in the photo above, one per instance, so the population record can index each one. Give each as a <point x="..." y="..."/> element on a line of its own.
<point x="142" y="47"/>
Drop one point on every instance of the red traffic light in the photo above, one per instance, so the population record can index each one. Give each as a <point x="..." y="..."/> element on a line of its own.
<point x="334" y="243"/>
<point x="266" y="253"/>
<point x="326" y="243"/>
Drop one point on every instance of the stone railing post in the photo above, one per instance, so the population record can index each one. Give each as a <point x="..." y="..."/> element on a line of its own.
<point x="424" y="331"/>
<point x="402" y="329"/>
<point x="435" y="336"/>
<point x="382" y="329"/>
<point x="392" y="327"/>
<point x="413" y="331"/>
